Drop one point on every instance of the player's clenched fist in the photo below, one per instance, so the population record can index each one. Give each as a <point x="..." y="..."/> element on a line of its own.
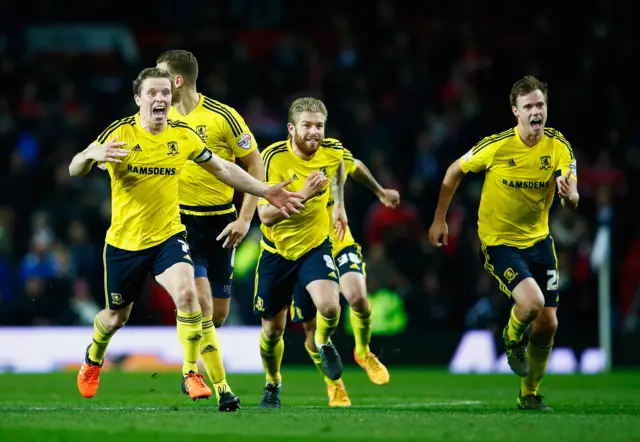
<point x="439" y="233"/>
<point x="109" y="152"/>
<point x="389" y="197"/>
<point x="316" y="181"/>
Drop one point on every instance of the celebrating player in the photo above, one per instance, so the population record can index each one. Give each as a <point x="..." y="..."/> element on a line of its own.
<point x="295" y="260"/>
<point x="348" y="256"/>
<point x="146" y="234"/>
<point x="207" y="209"/>
<point x="522" y="166"/>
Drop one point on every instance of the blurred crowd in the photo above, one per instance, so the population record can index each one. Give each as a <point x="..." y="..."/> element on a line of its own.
<point x="409" y="89"/>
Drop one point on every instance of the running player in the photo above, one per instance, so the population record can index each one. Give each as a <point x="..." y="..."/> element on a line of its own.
<point x="207" y="209"/>
<point x="348" y="256"/>
<point x="295" y="261"/>
<point x="146" y="234"/>
<point x="523" y="168"/>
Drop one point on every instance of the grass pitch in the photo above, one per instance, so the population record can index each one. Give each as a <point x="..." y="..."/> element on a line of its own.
<point x="418" y="405"/>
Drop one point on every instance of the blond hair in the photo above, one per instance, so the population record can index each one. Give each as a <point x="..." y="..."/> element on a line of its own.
<point x="306" y="104"/>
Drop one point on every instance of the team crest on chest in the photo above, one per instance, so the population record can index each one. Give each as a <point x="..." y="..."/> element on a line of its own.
<point x="324" y="170"/>
<point x="172" y="147"/>
<point x="545" y="162"/>
<point x="201" y="130"/>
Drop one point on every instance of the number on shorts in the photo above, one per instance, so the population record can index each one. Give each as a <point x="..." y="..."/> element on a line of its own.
<point x="329" y="262"/>
<point x="344" y="259"/>
<point x="552" y="282"/>
<point x="185" y="246"/>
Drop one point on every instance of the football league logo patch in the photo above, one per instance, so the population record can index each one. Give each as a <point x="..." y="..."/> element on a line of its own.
<point x="244" y="142"/>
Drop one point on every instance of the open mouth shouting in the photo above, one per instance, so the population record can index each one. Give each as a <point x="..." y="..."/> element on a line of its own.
<point x="159" y="110"/>
<point x="536" y="123"/>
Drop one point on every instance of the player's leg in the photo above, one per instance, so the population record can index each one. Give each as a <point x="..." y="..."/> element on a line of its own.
<point x="543" y="328"/>
<point x="210" y="349"/>
<point x="174" y="270"/>
<point x="509" y="266"/>
<point x="336" y="390"/>
<point x="271" y="352"/>
<point x="353" y="286"/>
<point x="203" y="252"/>
<point x="274" y="281"/>
<point x="319" y="275"/>
<point x="125" y="273"/>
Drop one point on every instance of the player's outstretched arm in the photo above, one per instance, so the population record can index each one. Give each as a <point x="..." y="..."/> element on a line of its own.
<point x="340" y="222"/>
<point x="270" y="215"/>
<point x="234" y="176"/>
<point x="439" y="231"/>
<point x="109" y="152"/>
<point x="362" y="174"/>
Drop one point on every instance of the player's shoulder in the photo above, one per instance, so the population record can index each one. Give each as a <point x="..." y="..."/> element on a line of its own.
<point x="497" y="138"/>
<point x="556" y="135"/>
<point x="116" y="128"/>
<point x="225" y="114"/>
<point x="332" y="143"/>
<point x="332" y="148"/>
<point x="181" y="127"/>
<point x="273" y="150"/>
<point x="559" y="141"/>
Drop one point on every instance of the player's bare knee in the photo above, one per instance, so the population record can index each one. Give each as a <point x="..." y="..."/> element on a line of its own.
<point x="329" y="309"/>
<point x="219" y="320"/>
<point x="187" y="299"/>
<point x="272" y="329"/>
<point x="544" y="328"/>
<point x="529" y="300"/>
<point x="359" y="302"/>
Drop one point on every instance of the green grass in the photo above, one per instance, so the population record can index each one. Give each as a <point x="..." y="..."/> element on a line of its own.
<point x="417" y="405"/>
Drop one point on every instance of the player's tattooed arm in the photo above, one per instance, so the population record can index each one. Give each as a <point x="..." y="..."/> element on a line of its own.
<point x="362" y="174"/>
<point x="340" y="222"/>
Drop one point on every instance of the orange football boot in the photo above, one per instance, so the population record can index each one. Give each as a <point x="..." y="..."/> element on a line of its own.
<point x="89" y="377"/>
<point x="377" y="372"/>
<point x="193" y="385"/>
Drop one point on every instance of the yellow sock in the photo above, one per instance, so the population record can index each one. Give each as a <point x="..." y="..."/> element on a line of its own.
<point x="100" y="342"/>
<point x="212" y="356"/>
<point x="538" y="359"/>
<point x="325" y="328"/>
<point x="515" y="328"/>
<point x="190" y="335"/>
<point x="317" y="361"/>
<point x="271" y="352"/>
<point x="361" y="325"/>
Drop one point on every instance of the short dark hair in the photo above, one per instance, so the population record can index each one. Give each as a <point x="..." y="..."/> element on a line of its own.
<point x="526" y="85"/>
<point x="149" y="73"/>
<point x="181" y="62"/>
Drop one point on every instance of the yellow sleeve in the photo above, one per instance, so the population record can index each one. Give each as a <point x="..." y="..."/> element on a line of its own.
<point x="350" y="165"/>
<point x="237" y="134"/>
<point x="480" y="157"/>
<point x="567" y="160"/>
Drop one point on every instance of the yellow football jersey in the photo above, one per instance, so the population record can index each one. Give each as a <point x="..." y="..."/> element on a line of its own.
<point x="519" y="185"/>
<point x="349" y="167"/>
<point x="144" y="187"/>
<point x="225" y="133"/>
<point x="297" y="235"/>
